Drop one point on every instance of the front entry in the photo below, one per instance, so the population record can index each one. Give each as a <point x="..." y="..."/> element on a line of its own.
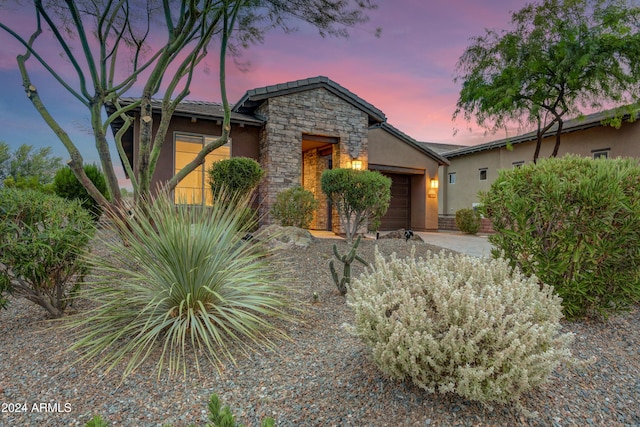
<point x="327" y="160"/>
<point x="317" y="155"/>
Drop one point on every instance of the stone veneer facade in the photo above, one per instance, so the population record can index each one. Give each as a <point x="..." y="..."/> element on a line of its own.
<point x="312" y="112"/>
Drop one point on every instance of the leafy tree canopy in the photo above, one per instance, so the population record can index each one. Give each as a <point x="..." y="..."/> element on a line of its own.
<point x="25" y="162"/>
<point x="560" y="58"/>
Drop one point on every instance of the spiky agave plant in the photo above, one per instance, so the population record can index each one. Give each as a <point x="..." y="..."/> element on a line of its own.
<point x="186" y="281"/>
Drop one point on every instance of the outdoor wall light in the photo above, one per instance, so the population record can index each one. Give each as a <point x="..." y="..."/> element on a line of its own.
<point x="434" y="184"/>
<point x="356" y="164"/>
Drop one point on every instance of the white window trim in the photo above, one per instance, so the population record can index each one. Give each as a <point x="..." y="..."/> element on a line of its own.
<point x="486" y="174"/>
<point x="451" y="175"/>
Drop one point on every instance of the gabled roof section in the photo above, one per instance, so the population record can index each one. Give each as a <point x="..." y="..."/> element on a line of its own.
<point x="576" y="124"/>
<point x="423" y="148"/>
<point x="201" y="110"/>
<point x="253" y="98"/>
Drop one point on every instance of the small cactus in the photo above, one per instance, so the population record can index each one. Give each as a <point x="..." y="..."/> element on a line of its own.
<point x="347" y="259"/>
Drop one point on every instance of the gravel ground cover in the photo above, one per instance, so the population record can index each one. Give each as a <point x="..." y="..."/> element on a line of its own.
<point x="321" y="377"/>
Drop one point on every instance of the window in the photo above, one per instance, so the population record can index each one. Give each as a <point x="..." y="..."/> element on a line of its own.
<point x="194" y="188"/>
<point x="452" y="178"/>
<point x="601" y="154"/>
<point x="483" y="174"/>
<point x="518" y="164"/>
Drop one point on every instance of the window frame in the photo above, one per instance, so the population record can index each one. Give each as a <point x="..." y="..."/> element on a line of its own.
<point x="600" y="153"/>
<point x="204" y="138"/>
<point x="486" y="174"/>
<point x="451" y="175"/>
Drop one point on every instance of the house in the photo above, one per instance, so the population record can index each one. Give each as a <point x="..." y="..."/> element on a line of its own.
<point x="295" y="130"/>
<point x="473" y="169"/>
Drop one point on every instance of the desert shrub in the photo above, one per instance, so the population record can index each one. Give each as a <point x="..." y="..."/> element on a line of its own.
<point x="65" y="184"/>
<point x="459" y="324"/>
<point x="575" y="223"/>
<point x="358" y="196"/>
<point x="294" y="207"/>
<point x="187" y="282"/>
<point x="468" y="221"/>
<point x="41" y="239"/>
<point x="343" y="283"/>
<point x="28" y="183"/>
<point x="218" y="415"/>
<point x="237" y="175"/>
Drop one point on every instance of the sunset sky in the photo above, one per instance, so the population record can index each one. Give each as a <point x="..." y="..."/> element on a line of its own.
<point x="407" y="72"/>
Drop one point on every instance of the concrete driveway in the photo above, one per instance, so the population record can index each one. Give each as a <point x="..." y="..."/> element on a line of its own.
<point x="469" y="244"/>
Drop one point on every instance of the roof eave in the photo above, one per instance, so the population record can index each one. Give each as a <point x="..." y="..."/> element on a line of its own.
<point x="595" y="121"/>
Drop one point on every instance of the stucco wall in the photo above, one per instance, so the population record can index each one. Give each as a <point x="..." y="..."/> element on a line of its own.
<point x="314" y="112"/>
<point x="623" y="142"/>
<point x="388" y="151"/>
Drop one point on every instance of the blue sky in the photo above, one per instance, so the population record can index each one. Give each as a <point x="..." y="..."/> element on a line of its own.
<point x="407" y="72"/>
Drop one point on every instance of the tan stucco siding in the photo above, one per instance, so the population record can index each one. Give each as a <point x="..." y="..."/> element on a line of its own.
<point x="467" y="179"/>
<point x="623" y="142"/>
<point x="388" y="151"/>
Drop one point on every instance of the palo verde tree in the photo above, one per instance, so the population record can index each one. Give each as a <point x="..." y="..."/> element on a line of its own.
<point x="149" y="49"/>
<point x="560" y="57"/>
<point x="358" y="196"/>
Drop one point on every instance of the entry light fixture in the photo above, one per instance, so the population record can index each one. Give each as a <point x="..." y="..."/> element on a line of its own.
<point x="356" y="164"/>
<point x="433" y="191"/>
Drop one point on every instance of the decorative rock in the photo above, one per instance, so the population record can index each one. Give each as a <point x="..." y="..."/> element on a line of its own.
<point x="285" y="237"/>
<point x="401" y="234"/>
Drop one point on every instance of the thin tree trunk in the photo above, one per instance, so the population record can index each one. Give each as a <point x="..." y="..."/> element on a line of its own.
<point x="558" y="133"/>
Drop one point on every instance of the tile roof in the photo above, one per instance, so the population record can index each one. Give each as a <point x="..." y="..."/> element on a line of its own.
<point x="254" y="97"/>
<point x="572" y="125"/>
<point x="203" y="110"/>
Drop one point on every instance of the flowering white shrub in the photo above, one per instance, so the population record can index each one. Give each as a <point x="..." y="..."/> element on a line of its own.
<point x="459" y="324"/>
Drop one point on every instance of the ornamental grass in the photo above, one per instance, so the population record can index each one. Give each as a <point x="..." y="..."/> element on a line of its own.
<point x="187" y="281"/>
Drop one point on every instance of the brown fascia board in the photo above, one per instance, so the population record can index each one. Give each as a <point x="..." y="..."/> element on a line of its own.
<point x="573" y="125"/>
<point x="412" y="142"/>
<point x="253" y="98"/>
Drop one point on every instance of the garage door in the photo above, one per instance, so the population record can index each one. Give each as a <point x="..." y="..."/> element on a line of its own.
<point x="399" y="213"/>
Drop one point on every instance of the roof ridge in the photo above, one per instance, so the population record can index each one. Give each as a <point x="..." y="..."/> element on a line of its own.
<point x="258" y="94"/>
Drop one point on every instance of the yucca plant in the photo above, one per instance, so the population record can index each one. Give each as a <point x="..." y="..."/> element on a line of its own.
<point x="186" y="281"/>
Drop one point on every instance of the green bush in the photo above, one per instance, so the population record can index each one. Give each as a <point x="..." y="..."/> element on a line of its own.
<point x="187" y="283"/>
<point x="237" y="175"/>
<point x="459" y="324"/>
<point x="65" y="184"/>
<point x="294" y="207"/>
<point x="30" y="183"/>
<point x="41" y="239"/>
<point x="468" y="221"/>
<point x="358" y="196"/>
<point x="575" y="223"/>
